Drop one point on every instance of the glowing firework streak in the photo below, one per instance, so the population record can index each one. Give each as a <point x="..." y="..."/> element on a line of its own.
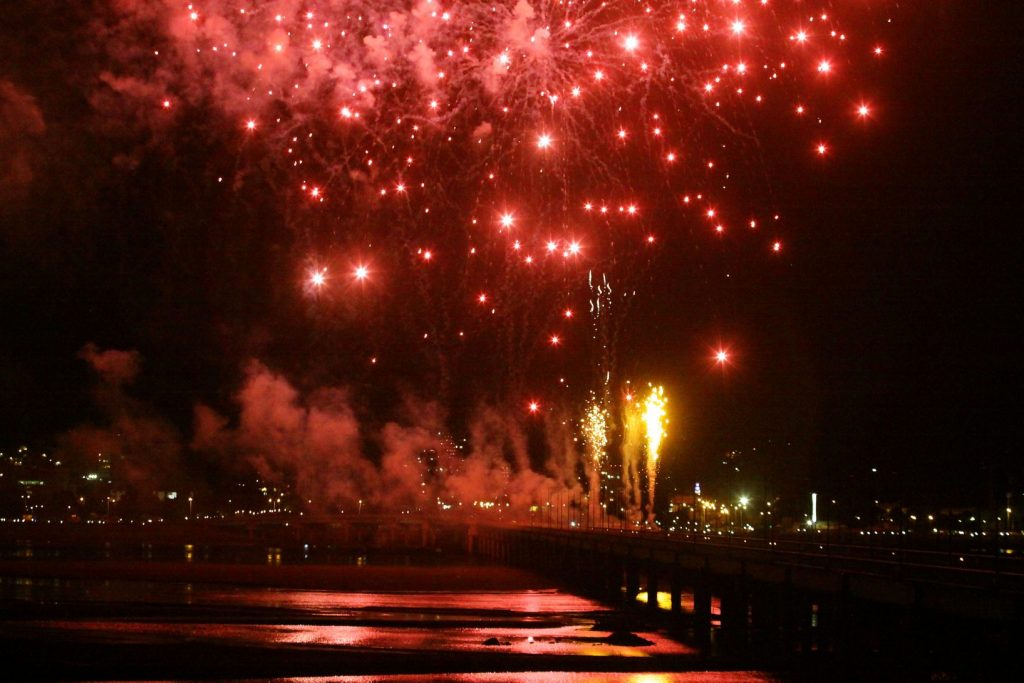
<point x="632" y="454"/>
<point x="655" y="421"/>
<point x="595" y="436"/>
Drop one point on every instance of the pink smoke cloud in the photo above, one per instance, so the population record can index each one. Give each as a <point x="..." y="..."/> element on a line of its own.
<point x="317" y="442"/>
<point x="21" y="125"/>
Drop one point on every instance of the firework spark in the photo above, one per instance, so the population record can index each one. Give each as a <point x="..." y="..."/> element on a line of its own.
<point x="537" y="146"/>
<point x="318" y="278"/>
<point x="538" y="100"/>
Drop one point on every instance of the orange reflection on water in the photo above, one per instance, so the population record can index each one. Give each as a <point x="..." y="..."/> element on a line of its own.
<point x="561" y="676"/>
<point x="564" y="640"/>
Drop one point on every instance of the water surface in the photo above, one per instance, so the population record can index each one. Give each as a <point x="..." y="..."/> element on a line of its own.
<point x="169" y="629"/>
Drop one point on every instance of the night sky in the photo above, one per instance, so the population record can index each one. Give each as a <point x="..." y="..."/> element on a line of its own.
<point x="882" y="336"/>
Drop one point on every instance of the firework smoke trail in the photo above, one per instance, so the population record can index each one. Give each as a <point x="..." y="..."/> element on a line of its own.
<point x="601" y="333"/>
<point x="655" y="423"/>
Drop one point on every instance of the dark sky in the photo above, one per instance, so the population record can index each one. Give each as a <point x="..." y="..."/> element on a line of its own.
<point x="914" y="333"/>
<point x="885" y="338"/>
<point x="905" y="296"/>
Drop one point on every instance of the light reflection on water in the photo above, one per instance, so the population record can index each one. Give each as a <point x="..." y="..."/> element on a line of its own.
<point x="549" y="676"/>
<point x="685" y="602"/>
<point x="530" y="622"/>
<point x="321" y="603"/>
<point x="534" y="602"/>
<point x="393" y="631"/>
<point x="563" y="640"/>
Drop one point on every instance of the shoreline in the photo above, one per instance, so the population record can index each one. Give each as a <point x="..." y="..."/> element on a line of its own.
<point x="339" y="577"/>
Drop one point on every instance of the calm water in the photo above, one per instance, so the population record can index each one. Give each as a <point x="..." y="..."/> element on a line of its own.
<point x="534" y="622"/>
<point x="149" y="629"/>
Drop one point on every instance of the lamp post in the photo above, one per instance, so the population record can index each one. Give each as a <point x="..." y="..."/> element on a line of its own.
<point x="1009" y="513"/>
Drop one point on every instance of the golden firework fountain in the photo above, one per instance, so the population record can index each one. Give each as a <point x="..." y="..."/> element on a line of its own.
<point x="655" y="423"/>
